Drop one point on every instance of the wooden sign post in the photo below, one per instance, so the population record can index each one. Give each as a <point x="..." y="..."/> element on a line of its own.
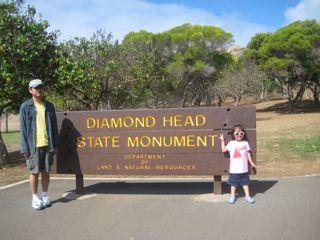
<point x="147" y="142"/>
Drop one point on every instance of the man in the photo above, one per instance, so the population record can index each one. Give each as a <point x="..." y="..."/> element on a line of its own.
<point x="39" y="140"/>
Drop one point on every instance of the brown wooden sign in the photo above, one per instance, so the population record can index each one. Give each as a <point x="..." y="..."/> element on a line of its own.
<point x="182" y="141"/>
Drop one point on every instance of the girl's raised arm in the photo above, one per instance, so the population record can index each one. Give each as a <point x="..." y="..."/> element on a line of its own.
<point x="223" y="144"/>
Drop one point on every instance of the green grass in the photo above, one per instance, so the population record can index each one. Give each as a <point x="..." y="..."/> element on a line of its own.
<point x="11" y="138"/>
<point x="305" y="146"/>
<point x="302" y="147"/>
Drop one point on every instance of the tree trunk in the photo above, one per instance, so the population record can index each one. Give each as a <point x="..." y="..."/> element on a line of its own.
<point x="287" y="90"/>
<point x="184" y="98"/>
<point x="3" y="148"/>
<point x="237" y="101"/>
<point x="263" y="93"/>
<point x="316" y="94"/>
<point x="196" y="101"/>
<point x="316" y="99"/>
<point x="208" y="100"/>
<point x="299" y="95"/>
<point x="217" y="100"/>
<point x="290" y="105"/>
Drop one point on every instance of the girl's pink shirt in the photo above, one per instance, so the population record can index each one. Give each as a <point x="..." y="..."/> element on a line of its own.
<point x="238" y="156"/>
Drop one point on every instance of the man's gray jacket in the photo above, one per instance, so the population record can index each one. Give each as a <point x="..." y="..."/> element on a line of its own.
<point x="28" y="126"/>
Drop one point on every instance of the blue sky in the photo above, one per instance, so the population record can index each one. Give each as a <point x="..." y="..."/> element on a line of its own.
<point x="243" y="18"/>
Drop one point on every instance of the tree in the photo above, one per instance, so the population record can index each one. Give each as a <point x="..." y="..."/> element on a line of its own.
<point x="87" y="71"/>
<point x="240" y="79"/>
<point x="197" y="57"/>
<point x="144" y="62"/>
<point x="177" y="67"/>
<point x="252" y="54"/>
<point x="27" y="51"/>
<point x="314" y="83"/>
<point x="286" y="57"/>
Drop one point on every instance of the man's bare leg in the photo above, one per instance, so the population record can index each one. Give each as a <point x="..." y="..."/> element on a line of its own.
<point x="45" y="179"/>
<point x="33" y="182"/>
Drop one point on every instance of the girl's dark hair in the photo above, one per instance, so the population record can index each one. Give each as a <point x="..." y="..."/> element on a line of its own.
<point x="238" y="126"/>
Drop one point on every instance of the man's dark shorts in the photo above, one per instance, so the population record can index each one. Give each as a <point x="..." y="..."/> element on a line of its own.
<point x="236" y="179"/>
<point x="40" y="161"/>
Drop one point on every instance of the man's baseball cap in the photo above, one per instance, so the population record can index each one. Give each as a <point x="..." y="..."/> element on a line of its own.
<point x="35" y="83"/>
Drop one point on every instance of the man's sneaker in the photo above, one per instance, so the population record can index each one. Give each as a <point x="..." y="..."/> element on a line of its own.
<point x="249" y="200"/>
<point x="232" y="200"/>
<point x="37" y="204"/>
<point x="46" y="201"/>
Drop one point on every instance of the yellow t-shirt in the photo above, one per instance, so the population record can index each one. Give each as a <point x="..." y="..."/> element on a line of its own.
<point x="41" y="134"/>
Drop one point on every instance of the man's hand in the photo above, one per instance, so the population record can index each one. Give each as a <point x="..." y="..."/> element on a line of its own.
<point x="26" y="155"/>
<point x="55" y="151"/>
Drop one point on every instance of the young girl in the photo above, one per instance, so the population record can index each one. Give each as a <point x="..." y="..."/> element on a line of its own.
<point x="240" y="154"/>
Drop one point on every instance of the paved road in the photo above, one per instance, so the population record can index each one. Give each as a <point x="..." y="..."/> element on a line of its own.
<point x="284" y="209"/>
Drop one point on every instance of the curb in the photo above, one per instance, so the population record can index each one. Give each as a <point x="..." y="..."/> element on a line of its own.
<point x="153" y="179"/>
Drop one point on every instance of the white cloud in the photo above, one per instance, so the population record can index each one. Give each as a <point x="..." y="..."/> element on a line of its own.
<point x="242" y="30"/>
<point x="84" y="17"/>
<point x="305" y="9"/>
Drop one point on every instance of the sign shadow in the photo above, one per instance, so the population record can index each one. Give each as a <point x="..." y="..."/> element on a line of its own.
<point x="171" y="188"/>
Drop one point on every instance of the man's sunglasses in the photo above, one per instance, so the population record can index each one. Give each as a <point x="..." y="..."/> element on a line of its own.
<point x="239" y="133"/>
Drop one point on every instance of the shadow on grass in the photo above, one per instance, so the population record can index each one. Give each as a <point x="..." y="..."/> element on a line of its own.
<point x="166" y="188"/>
<point x="305" y="106"/>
